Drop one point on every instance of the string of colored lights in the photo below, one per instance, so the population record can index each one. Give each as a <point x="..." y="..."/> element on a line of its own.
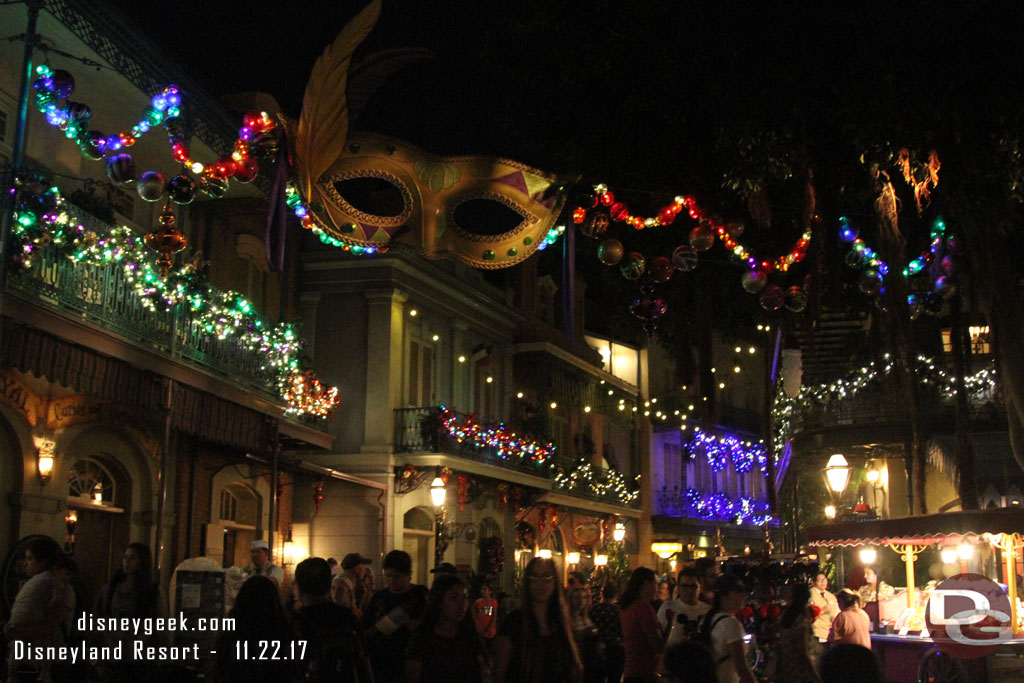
<point x="495" y="438"/>
<point x="874" y="270"/>
<point x="255" y="139"/>
<point x="705" y="233"/>
<point x="785" y="410"/>
<point x="43" y="220"/>
<point x="609" y="484"/>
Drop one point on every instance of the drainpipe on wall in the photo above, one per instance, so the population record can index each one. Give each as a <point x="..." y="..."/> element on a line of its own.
<point x="167" y="404"/>
<point x="383" y="523"/>
<point x="275" y="456"/>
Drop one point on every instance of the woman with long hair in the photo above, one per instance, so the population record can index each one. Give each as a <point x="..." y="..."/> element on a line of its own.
<point x="258" y="617"/>
<point x="343" y="592"/>
<point x="535" y="642"/>
<point x="446" y="646"/>
<point x="588" y="639"/>
<point x="43" y="605"/>
<point x="798" y="647"/>
<point x="640" y="632"/>
<point x="130" y="591"/>
<point x="873" y="592"/>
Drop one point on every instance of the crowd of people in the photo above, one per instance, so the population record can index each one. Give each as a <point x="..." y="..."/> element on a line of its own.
<point x="683" y="628"/>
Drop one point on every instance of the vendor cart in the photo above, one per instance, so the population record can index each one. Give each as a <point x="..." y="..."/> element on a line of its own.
<point x="907" y="651"/>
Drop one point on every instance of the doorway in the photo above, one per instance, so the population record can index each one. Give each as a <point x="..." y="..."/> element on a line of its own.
<point x="418" y="541"/>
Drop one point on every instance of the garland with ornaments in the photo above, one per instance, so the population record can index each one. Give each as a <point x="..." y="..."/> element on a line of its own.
<point x="599" y="209"/>
<point x="931" y="273"/>
<point x="979" y="387"/>
<point x="495" y="439"/>
<point x="257" y="139"/>
<point x="609" y="484"/>
<point x="44" y="220"/>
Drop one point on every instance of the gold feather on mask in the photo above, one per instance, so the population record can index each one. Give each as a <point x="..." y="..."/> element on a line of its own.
<point x="323" y="125"/>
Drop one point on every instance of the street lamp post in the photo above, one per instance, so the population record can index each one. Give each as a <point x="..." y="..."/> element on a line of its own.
<point x="437" y="496"/>
<point x="837" y="476"/>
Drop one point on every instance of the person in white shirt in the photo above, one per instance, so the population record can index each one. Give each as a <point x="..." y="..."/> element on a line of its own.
<point x="727" y="643"/>
<point x="261" y="564"/>
<point x="678" y="617"/>
<point x="828" y="609"/>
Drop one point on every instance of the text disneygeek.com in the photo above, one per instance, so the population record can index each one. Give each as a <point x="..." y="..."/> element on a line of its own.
<point x="127" y="638"/>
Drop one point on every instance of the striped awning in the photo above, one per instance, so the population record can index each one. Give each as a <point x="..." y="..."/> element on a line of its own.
<point x="919" y="530"/>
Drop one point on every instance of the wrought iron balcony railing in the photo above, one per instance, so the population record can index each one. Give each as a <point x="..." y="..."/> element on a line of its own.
<point x="417" y="430"/>
<point x="103" y="296"/>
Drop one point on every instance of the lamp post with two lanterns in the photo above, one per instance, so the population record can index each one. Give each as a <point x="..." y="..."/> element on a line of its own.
<point x="837" y="476"/>
<point x="437" y="495"/>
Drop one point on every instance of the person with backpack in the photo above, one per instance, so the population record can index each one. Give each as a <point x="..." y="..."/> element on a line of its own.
<point x="334" y="639"/>
<point x="723" y="633"/>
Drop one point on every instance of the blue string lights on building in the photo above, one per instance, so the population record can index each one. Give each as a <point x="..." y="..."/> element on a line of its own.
<point x="720" y="450"/>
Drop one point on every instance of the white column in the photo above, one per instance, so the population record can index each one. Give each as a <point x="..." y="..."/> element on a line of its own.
<point x="385" y="344"/>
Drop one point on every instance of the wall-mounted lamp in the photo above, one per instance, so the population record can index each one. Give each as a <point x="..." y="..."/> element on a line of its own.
<point x="868" y="556"/>
<point x="949" y="555"/>
<point x="288" y="550"/>
<point x="965" y="551"/>
<point x="70" y="522"/>
<point x="619" y="533"/>
<point x="600" y="560"/>
<point x="873" y="476"/>
<point x="544" y="553"/>
<point x="573" y="558"/>
<point x="97" y="493"/>
<point x="437" y="491"/>
<point x="830" y="511"/>
<point x="665" y="550"/>
<point x="44" y="460"/>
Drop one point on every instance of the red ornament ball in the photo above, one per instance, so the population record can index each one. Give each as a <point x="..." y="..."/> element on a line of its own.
<point x="772" y="298"/>
<point x="661" y="269"/>
<point x="247" y="170"/>
<point x="618" y="211"/>
<point x="607" y="198"/>
<point x="225" y="167"/>
<point x="595" y="225"/>
<point x="667" y="215"/>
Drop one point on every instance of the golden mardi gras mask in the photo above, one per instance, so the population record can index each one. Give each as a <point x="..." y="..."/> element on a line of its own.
<point x="487" y="212"/>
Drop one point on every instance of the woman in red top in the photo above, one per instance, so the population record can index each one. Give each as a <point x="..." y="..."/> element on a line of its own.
<point x="640" y="632"/>
<point x="485" y="613"/>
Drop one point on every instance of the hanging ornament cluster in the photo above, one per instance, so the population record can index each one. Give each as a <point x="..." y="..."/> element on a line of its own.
<point x="607" y="484"/>
<point x="495" y="439"/>
<point x="166" y="240"/>
<point x="931" y="274"/>
<point x="44" y="221"/>
<point x="256" y="140"/>
<point x="307" y="395"/>
<point x="599" y="210"/>
<point x="649" y="308"/>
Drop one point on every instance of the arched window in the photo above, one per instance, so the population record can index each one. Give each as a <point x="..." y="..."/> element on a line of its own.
<point x="418" y="519"/>
<point x="92" y="482"/>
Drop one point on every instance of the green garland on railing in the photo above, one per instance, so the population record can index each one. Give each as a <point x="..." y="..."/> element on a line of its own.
<point x="611" y="485"/>
<point x="44" y="219"/>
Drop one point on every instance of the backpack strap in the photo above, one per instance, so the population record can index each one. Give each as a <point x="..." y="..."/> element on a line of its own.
<point x="707" y="629"/>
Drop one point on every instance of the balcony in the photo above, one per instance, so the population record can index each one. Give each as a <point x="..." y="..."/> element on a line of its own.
<point x="418" y="430"/>
<point x="676" y="502"/>
<point x="103" y="297"/>
<point x="583" y="480"/>
<point x="876" y="414"/>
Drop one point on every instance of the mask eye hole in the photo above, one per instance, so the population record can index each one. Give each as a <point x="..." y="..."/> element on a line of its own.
<point x="486" y="217"/>
<point x="373" y="196"/>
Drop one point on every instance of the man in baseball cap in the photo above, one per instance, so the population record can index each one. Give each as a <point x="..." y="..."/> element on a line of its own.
<point x="356" y="567"/>
<point x="261" y="564"/>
